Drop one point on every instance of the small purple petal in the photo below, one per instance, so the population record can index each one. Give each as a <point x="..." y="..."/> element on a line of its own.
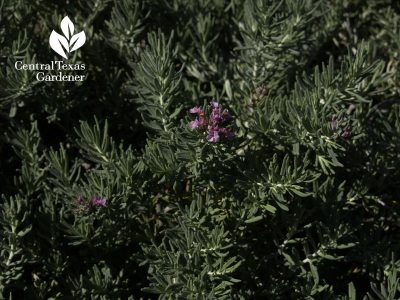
<point x="97" y="201"/>
<point x="194" y="124"/>
<point x="215" y="117"/>
<point x="195" y="110"/>
<point x="213" y="135"/>
<point x="214" y="104"/>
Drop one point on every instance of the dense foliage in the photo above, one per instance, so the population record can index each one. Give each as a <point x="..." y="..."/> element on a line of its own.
<point x="218" y="149"/>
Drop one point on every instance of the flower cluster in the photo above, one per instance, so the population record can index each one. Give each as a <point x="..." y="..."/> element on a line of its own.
<point x="81" y="205"/>
<point x="214" y="125"/>
<point x="98" y="201"/>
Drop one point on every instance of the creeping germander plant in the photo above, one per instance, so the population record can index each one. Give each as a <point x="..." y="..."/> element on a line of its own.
<point x="216" y="150"/>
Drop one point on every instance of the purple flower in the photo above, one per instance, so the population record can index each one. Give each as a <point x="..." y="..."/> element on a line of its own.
<point x="214" y="104"/>
<point x="195" y="110"/>
<point x="213" y="122"/>
<point x="98" y="201"/>
<point x="213" y="135"/>
<point x="198" y="122"/>
<point x="215" y="116"/>
<point x="215" y="113"/>
<point x="194" y="124"/>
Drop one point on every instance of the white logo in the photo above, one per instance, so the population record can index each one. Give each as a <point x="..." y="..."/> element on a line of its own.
<point x="69" y="41"/>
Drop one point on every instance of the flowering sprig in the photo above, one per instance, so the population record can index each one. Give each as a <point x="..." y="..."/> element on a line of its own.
<point x="82" y="205"/>
<point x="215" y="125"/>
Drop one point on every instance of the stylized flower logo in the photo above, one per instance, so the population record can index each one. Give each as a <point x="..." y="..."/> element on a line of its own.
<point x="69" y="42"/>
